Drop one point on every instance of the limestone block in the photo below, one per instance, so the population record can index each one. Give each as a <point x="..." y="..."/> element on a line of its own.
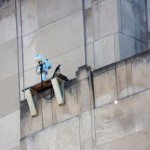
<point x="148" y="18"/>
<point x="4" y="4"/>
<point x="105" y="88"/>
<point x="108" y="17"/>
<point x="95" y="13"/>
<point x="8" y="57"/>
<point x="7" y="24"/>
<point x="64" y="136"/>
<point x="84" y="95"/>
<point x="144" y="47"/>
<point x="29" y="16"/>
<point x="86" y="130"/>
<point x="129" y="79"/>
<point x="48" y="10"/>
<point x="141" y="71"/>
<point x="148" y="4"/>
<point x="122" y="87"/>
<point x="46" y="113"/>
<point x="134" y="19"/>
<point x="90" y="55"/>
<point x="30" y="48"/>
<point x="30" y="124"/>
<point x="62" y="36"/>
<point x="137" y="13"/>
<point x="87" y="4"/>
<point x="124" y="46"/>
<point x="31" y="78"/>
<point x="104" y="51"/>
<point x="138" y="46"/>
<point x="129" y="116"/>
<point x="69" y="62"/>
<point x="9" y="95"/>
<point x="9" y="131"/>
<point x="23" y="144"/>
<point x="83" y="72"/>
<point x="143" y="18"/>
<point x="138" y="141"/>
<point x="88" y="25"/>
<point x="128" y="17"/>
<point x="67" y="111"/>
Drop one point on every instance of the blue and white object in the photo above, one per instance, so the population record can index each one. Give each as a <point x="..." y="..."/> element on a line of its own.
<point x="44" y="65"/>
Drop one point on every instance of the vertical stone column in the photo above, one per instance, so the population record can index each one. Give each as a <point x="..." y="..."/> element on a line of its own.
<point x="9" y="87"/>
<point x="85" y="104"/>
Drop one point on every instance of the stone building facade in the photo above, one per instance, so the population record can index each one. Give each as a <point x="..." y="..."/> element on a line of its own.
<point x="103" y="47"/>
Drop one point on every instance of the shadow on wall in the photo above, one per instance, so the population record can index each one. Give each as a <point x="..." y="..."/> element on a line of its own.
<point x="3" y="1"/>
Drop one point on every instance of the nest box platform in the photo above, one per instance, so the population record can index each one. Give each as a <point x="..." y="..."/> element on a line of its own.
<point x="46" y="84"/>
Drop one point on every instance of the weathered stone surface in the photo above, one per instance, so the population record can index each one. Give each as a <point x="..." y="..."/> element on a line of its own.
<point x="83" y="72"/>
<point x="105" y="88"/>
<point x="17" y="148"/>
<point x="8" y="53"/>
<point x="30" y="125"/>
<point x="113" y="122"/>
<point x="23" y="144"/>
<point x="30" y="48"/>
<point x="46" y="113"/>
<point x="95" y="20"/>
<point x="29" y="16"/>
<point x="64" y="136"/>
<point x="148" y="4"/>
<point x="62" y="36"/>
<point x="129" y="79"/>
<point x="138" y="46"/>
<point x="4" y="4"/>
<point x="128" y="18"/>
<point x="134" y="19"/>
<point x="90" y="55"/>
<point x="48" y="10"/>
<point x="104" y="51"/>
<point x="138" y="141"/>
<point x="124" y="46"/>
<point x="122" y="87"/>
<point x="84" y="99"/>
<point x="31" y="78"/>
<point x="87" y="4"/>
<point x="69" y="62"/>
<point x="86" y="130"/>
<point x="9" y="95"/>
<point x="7" y="24"/>
<point x="108" y="17"/>
<point x="148" y="18"/>
<point x="143" y="18"/>
<point x="9" y="131"/>
<point x="69" y="110"/>
<point x="88" y="26"/>
<point x="141" y="71"/>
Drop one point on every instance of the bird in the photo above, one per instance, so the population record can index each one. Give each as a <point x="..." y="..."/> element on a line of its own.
<point x="57" y="71"/>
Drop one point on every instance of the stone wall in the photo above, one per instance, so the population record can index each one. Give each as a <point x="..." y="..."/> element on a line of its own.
<point x="115" y="30"/>
<point x="9" y="83"/>
<point x="90" y="120"/>
<point x="72" y="33"/>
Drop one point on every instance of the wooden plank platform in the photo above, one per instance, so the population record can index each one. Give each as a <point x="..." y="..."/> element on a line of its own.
<point x="39" y="87"/>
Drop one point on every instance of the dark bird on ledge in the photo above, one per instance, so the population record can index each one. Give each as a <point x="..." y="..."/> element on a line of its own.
<point x="57" y="71"/>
